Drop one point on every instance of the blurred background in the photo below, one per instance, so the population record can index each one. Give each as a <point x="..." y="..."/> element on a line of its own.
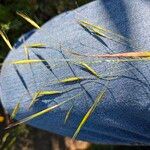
<point x="25" y="137"/>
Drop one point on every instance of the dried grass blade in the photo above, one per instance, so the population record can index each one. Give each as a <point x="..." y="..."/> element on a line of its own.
<point x="90" y="69"/>
<point x="5" y="38"/>
<point x="33" y="23"/>
<point x="91" y="110"/>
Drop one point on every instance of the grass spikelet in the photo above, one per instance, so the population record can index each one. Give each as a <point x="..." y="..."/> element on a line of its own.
<point x="43" y="93"/>
<point x="5" y="38"/>
<point x="68" y="114"/>
<point x="33" y="23"/>
<point x="90" y="69"/>
<point x="16" y="109"/>
<point x="36" y="45"/>
<point x="92" y="27"/>
<point x="27" y="61"/>
<point x="70" y="79"/>
<point x="91" y="110"/>
<point x="103" y="30"/>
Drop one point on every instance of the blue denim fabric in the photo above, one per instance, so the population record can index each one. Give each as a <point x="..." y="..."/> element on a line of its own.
<point x="123" y="115"/>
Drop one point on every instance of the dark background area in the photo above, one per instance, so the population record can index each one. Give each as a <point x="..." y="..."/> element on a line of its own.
<point x="25" y="137"/>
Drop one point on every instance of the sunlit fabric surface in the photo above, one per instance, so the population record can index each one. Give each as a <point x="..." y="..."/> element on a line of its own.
<point x="123" y="115"/>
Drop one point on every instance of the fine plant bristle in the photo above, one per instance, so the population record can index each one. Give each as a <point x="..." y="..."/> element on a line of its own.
<point x="68" y="114"/>
<point x="5" y="38"/>
<point x="28" y="19"/>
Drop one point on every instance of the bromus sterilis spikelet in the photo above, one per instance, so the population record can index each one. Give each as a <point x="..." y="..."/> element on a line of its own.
<point x="28" y="19"/>
<point x="5" y="38"/>
<point x="101" y="30"/>
<point x="90" y="69"/>
<point x="36" y="45"/>
<point x="71" y="79"/>
<point x="27" y="61"/>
